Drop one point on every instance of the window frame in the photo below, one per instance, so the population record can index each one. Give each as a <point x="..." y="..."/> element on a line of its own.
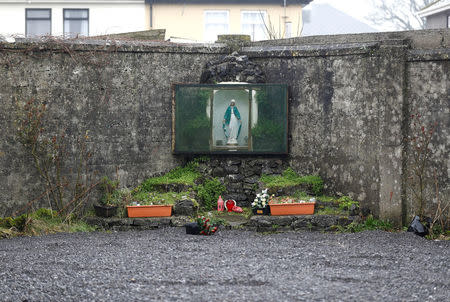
<point x="76" y="19"/>
<point x="264" y="16"/>
<point x="205" y="12"/>
<point x="46" y="19"/>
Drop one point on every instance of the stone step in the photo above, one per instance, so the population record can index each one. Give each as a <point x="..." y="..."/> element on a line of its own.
<point x="255" y="223"/>
<point x="299" y="222"/>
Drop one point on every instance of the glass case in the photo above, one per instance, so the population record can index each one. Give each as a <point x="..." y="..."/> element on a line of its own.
<point x="230" y="118"/>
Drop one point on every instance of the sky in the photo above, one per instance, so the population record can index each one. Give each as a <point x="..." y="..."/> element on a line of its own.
<point x="358" y="9"/>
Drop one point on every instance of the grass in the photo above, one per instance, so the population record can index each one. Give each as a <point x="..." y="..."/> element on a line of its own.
<point x="43" y="221"/>
<point x="290" y="178"/>
<point x="224" y="217"/>
<point x="181" y="175"/>
<point x="330" y="211"/>
<point x="369" y="224"/>
<point x="158" y="198"/>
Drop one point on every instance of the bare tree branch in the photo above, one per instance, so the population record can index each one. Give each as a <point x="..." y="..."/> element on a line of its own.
<point x="402" y="14"/>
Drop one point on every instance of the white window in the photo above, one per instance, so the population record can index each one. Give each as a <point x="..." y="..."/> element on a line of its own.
<point x="448" y="21"/>
<point x="216" y="23"/>
<point x="76" y="22"/>
<point x="38" y="21"/>
<point x="253" y="24"/>
<point x="288" y="30"/>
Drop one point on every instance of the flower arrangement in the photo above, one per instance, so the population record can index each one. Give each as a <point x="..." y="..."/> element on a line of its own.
<point x="286" y="199"/>
<point x="205" y="226"/>
<point x="261" y="200"/>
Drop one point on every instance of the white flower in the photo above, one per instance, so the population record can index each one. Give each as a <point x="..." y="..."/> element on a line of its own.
<point x="263" y="203"/>
<point x="263" y="199"/>
<point x="258" y="195"/>
<point x="256" y="200"/>
<point x="265" y="191"/>
<point x="253" y="204"/>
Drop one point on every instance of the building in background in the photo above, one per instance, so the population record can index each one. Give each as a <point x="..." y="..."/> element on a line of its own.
<point x="189" y="20"/>
<point x="324" y="19"/>
<point x="72" y="18"/>
<point x="437" y="14"/>
<point x="203" y="20"/>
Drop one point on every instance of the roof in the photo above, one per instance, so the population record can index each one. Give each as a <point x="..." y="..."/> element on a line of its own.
<point x="434" y="8"/>
<point x="324" y="19"/>
<point x="280" y="2"/>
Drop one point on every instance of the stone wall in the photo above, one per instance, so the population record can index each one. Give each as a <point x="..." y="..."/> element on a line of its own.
<point x="350" y="99"/>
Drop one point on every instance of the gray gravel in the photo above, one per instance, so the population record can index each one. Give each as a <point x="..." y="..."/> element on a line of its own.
<point x="168" y="265"/>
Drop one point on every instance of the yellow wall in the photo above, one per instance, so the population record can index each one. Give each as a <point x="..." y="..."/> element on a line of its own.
<point x="187" y="21"/>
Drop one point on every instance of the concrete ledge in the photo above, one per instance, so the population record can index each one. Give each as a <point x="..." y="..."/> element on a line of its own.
<point x="255" y="223"/>
<point x="99" y="45"/>
<point x="442" y="54"/>
<point x="304" y="222"/>
<point x="312" y="50"/>
<point x="128" y="224"/>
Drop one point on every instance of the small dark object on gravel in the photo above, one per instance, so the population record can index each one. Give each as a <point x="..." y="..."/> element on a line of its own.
<point x="418" y="228"/>
<point x="192" y="228"/>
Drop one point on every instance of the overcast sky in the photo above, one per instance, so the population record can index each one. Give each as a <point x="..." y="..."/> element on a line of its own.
<point x="358" y="9"/>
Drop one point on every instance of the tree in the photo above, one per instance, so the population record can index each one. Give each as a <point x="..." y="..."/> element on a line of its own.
<point x="401" y="14"/>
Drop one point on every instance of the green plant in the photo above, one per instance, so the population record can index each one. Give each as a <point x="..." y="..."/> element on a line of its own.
<point x="44" y="213"/>
<point x="290" y="178"/>
<point x="192" y="124"/>
<point x="329" y="211"/>
<point x="301" y="195"/>
<point x="209" y="191"/>
<point x="180" y="175"/>
<point x="369" y="224"/>
<point x="109" y="189"/>
<point x="158" y="198"/>
<point x="20" y="223"/>
<point x="50" y="156"/>
<point x="285" y="199"/>
<point x="346" y="203"/>
<point x="419" y="155"/>
<point x="42" y="221"/>
<point x="269" y="133"/>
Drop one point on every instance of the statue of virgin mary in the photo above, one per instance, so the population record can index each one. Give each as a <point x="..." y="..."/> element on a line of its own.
<point x="232" y="121"/>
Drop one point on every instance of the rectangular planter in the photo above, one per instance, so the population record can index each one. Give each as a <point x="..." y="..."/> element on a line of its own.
<point x="306" y="208"/>
<point x="149" y="211"/>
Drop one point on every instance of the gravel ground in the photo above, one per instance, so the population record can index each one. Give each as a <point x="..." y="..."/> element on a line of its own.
<point x="233" y="265"/>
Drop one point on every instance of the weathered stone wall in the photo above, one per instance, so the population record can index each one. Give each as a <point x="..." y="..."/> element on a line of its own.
<point x="349" y="105"/>
<point x="122" y="97"/>
<point x="428" y="91"/>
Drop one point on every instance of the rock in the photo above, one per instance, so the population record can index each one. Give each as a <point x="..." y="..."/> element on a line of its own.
<point x="324" y="221"/>
<point x="354" y="210"/>
<point x="184" y="207"/>
<point x="233" y="162"/>
<point x="252" y="180"/>
<point x="267" y="171"/>
<point x="235" y="177"/>
<point x="238" y="197"/>
<point x="232" y="68"/>
<point x="179" y="221"/>
<point x="247" y="186"/>
<point x="232" y="169"/>
<point x="234" y="187"/>
<point x="219" y="172"/>
<point x="302" y="223"/>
